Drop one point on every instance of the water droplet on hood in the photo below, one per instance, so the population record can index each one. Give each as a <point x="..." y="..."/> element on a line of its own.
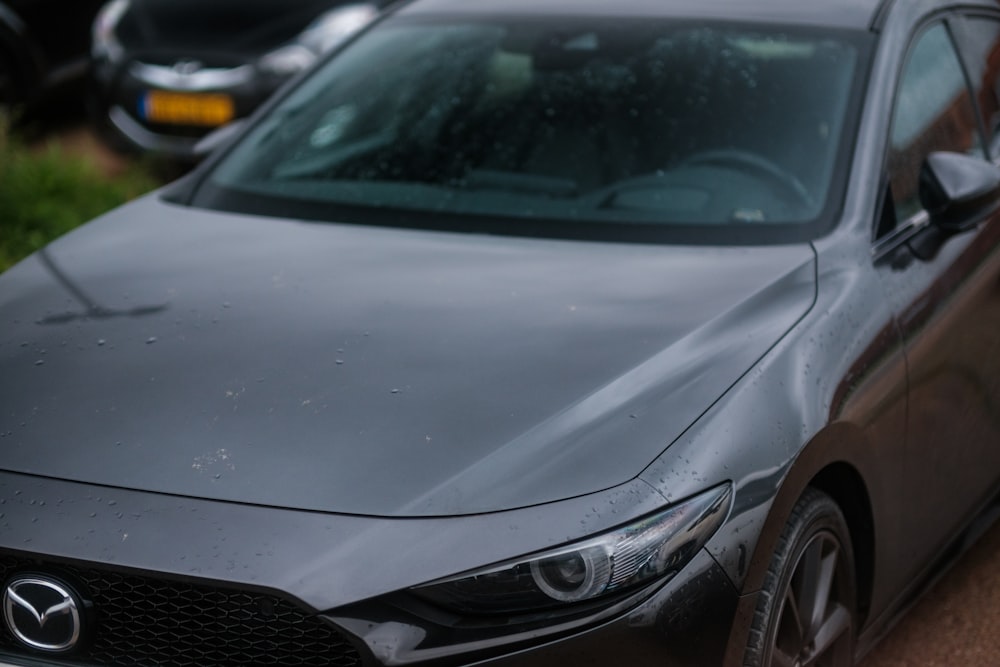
<point x="150" y="340"/>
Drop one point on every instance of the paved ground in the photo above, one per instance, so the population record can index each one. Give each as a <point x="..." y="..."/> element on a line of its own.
<point x="957" y="623"/>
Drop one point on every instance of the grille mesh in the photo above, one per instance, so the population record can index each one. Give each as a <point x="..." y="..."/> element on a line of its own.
<point x="147" y="621"/>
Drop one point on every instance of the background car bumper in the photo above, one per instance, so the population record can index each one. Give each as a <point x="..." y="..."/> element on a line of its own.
<point x="121" y="91"/>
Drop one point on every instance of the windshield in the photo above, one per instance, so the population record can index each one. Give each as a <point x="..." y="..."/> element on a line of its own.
<point x="591" y="123"/>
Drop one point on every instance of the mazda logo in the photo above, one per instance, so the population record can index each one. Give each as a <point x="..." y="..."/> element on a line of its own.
<point x="42" y="613"/>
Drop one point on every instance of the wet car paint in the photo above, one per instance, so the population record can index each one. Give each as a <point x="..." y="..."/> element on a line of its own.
<point x="836" y="405"/>
<point x="521" y="340"/>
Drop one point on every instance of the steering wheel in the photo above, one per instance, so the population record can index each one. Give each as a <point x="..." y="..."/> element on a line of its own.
<point x="760" y="165"/>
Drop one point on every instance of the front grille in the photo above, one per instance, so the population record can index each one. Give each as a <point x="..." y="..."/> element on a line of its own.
<point x="147" y="621"/>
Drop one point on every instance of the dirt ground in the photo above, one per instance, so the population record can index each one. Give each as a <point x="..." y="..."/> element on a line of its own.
<point x="69" y="132"/>
<point x="79" y="140"/>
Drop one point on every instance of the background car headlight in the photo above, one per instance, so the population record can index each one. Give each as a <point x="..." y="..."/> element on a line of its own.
<point x="105" y="44"/>
<point x="651" y="549"/>
<point x="322" y="35"/>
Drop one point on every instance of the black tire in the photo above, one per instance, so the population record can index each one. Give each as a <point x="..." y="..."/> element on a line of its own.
<point x="812" y="570"/>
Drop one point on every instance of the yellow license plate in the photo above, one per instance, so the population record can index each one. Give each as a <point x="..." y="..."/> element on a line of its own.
<point x="205" y="109"/>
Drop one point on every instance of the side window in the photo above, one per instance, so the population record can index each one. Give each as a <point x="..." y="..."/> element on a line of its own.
<point x="979" y="42"/>
<point x="933" y="112"/>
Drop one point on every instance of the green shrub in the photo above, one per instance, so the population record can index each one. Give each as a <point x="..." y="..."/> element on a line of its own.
<point x="46" y="193"/>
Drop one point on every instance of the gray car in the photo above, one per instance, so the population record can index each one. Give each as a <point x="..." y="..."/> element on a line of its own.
<point x="527" y="333"/>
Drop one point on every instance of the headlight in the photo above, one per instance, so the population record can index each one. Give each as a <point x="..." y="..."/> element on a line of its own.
<point x="104" y="41"/>
<point x="322" y="35"/>
<point x="654" y="548"/>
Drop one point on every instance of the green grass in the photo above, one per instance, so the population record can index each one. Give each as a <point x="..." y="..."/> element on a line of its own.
<point x="46" y="193"/>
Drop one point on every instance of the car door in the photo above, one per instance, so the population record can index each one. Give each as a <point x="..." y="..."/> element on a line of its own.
<point x="945" y="293"/>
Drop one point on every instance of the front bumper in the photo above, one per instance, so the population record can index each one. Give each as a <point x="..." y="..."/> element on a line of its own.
<point x="686" y="623"/>
<point x="269" y="563"/>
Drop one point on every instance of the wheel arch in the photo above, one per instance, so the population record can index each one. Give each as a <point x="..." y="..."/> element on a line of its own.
<point x="843" y="463"/>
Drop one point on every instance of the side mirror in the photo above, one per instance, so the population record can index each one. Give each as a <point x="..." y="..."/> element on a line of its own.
<point x="957" y="190"/>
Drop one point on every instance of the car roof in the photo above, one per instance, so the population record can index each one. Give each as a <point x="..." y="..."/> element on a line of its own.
<point x="857" y="14"/>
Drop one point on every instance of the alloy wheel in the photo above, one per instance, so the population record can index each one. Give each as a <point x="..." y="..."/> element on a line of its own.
<point x="814" y="621"/>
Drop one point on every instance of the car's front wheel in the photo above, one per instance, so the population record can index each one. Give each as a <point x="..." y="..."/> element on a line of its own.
<point x="805" y="615"/>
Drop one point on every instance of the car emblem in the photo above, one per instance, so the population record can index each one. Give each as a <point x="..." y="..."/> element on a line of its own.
<point x="187" y="67"/>
<point x="44" y="614"/>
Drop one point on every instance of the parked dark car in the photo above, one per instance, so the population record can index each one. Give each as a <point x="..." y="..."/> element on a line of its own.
<point x="44" y="47"/>
<point x="170" y="72"/>
<point x="527" y="333"/>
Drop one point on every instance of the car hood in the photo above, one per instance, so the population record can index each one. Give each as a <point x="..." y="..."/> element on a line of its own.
<point x="370" y="371"/>
<point x="191" y="28"/>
